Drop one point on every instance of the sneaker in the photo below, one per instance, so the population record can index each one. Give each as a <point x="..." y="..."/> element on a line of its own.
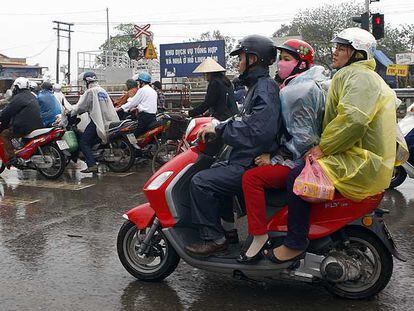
<point x="90" y="169"/>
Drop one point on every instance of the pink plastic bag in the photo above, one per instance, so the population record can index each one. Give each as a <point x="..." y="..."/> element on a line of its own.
<point x="313" y="185"/>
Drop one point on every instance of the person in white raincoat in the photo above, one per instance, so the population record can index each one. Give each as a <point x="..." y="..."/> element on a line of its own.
<point x="98" y="104"/>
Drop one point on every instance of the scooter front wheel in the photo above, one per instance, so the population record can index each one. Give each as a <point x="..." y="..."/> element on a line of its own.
<point x="157" y="263"/>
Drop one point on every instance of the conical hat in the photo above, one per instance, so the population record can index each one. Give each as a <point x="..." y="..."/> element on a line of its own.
<point x="209" y="65"/>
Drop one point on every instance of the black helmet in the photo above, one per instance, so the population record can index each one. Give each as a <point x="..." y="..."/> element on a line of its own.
<point x="157" y="85"/>
<point x="261" y="46"/>
<point x="89" y="76"/>
<point x="47" y="86"/>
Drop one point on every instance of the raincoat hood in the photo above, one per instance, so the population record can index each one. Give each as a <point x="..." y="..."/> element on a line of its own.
<point x="303" y="105"/>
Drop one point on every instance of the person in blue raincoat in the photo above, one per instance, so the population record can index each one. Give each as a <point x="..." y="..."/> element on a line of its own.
<point x="249" y="136"/>
<point x="49" y="106"/>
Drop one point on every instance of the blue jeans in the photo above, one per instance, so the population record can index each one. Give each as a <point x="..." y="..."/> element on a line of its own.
<point x="298" y="214"/>
<point x="86" y="142"/>
<point x="211" y="193"/>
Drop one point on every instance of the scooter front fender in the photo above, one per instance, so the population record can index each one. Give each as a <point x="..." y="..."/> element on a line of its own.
<point x="141" y="215"/>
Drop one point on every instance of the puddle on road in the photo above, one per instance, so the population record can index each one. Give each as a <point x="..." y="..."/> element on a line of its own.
<point x="47" y="184"/>
<point x="13" y="202"/>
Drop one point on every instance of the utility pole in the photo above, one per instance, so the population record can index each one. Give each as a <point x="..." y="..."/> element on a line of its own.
<point x="107" y="29"/>
<point x="67" y="29"/>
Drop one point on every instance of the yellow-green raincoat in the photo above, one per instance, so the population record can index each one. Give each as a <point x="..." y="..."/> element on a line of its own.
<point x="358" y="136"/>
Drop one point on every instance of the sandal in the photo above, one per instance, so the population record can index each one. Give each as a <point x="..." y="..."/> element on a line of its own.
<point x="244" y="259"/>
<point x="270" y="255"/>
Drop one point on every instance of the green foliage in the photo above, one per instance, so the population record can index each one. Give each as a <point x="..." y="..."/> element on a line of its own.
<point x="124" y="40"/>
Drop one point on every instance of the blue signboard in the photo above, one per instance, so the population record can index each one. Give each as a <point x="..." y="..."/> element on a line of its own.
<point x="180" y="59"/>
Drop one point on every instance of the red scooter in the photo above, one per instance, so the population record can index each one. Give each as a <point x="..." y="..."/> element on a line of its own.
<point x="41" y="150"/>
<point x="351" y="249"/>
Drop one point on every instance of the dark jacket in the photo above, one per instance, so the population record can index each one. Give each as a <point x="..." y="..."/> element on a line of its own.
<point x="23" y="112"/>
<point x="257" y="130"/>
<point x="219" y="100"/>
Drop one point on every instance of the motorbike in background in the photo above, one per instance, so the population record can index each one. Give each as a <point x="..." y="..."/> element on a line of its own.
<point x="41" y="150"/>
<point x="119" y="153"/>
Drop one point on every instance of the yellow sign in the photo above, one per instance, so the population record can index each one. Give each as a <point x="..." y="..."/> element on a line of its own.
<point x="150" y="52"/>
<point x="397" y="70"/>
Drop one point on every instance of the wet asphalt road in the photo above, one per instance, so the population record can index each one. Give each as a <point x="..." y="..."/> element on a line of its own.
<point x="58" y="252"/>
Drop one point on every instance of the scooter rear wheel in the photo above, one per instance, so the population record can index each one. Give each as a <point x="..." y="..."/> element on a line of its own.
<point x="156" y="264"/>
<point x="59" y="162"/>
<point x="377" y="265"/>
<point x="123" y="148"/>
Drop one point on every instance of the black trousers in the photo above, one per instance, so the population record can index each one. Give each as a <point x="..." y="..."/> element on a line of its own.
<point x="144" y="121"/>
<point x="211" y="193"/>
<point x="298" y="215"/>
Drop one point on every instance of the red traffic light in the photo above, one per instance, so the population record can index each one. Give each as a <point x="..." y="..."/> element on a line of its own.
<point x="378" y="25"/>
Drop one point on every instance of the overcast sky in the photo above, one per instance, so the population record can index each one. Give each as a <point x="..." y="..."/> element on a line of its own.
<point x="27" y="30"/>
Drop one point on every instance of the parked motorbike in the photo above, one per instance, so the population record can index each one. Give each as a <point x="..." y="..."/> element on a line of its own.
<point x="119" y="153"/>
<point x="351" y="249"/>
<point x="41" y="150"/>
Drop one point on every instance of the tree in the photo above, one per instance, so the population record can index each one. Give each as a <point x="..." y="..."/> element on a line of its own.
<point x="123" y="40"/>
<point x="318" y="26"/>
<point x="229" y="43"/>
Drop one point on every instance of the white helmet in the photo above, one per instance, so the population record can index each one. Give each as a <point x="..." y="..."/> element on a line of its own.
<point x="57" y="87"/>
<point x="21" y="83"/>
<point x="32" y="85"/>
<point x="359" y="39"/>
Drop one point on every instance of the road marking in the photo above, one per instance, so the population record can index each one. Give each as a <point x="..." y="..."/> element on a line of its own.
<point x="47" y="184"/>
<point x="10" y="201"/>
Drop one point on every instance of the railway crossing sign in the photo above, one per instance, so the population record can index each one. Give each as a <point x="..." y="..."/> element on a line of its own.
<point x="142" y="30"/>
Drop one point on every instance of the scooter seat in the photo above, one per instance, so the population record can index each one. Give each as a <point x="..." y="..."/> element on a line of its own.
<point x="38" y="132"/>
<point x="119" y="124"/>
<point x="155" y="124"/>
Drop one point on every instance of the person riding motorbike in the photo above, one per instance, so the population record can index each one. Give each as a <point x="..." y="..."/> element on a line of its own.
<point x="20" y="117"/>
<point x="98" y="104"/>
<point x="49" y="106"/>
<point x="57" y="91"/>
<point x="145" y="101"/>
<point x="302" y="105"/>
<point x="132" y="88"/>
<point x="358" y="131"/>
<point x="161" y="97"/>
<point x="250" y="135"/>
<point x="219" y="98"/>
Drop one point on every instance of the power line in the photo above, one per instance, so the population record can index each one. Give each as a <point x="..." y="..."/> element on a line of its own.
<point x="42" y="51"/>
<point x="55" y="13"/>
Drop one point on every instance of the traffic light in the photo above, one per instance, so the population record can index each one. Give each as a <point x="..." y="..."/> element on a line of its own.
<point x="363" y="20"/>
<point x="378" y="25"/>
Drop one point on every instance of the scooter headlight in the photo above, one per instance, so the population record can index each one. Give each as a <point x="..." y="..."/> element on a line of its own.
<point x="159" y="180"/>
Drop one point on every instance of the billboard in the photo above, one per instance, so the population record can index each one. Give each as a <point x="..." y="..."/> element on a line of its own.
<point x="180" y="59"/>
